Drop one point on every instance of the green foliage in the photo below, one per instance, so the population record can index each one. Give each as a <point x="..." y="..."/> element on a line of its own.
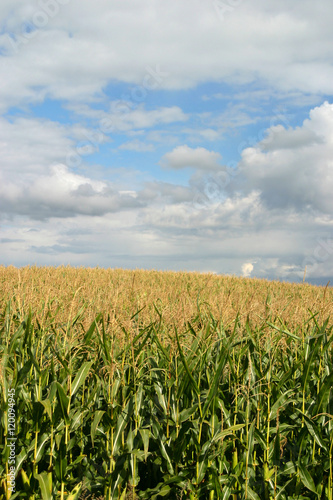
<point x="214" y="414"/>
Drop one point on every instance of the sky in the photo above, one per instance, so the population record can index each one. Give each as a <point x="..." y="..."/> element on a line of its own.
<point x="187" y="135"/>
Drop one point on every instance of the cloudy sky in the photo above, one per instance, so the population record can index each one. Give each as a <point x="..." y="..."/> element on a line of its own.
<point x="183" y="135"/>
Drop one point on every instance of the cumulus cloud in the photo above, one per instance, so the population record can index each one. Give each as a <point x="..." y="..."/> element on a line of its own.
<point x="293" y="167"/>
<point x="247" y="269"/>
<point x="76" y="52"/>
<point x="61" y="193"/>
<point x="27" y="145"/>
<point x="271" y="210"/>
<point x="169" y="193"/>
<point x="220" y="230"/>
<point x="186" y="157"/>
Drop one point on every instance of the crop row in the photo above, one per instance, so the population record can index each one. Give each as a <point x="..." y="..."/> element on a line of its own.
<point x="217" y="414"/>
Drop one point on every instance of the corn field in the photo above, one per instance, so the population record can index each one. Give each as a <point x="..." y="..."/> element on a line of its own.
<point x="148" y="408"/>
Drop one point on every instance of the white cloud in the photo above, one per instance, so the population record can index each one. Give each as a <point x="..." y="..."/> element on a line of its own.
<point x="128" y="117"/>
<point x="197" y="158"/>
<point x="250" y="222"/>
<point x="137" y="145"/>
<point x="271" y="213"/>
<point x="27" y="145"/>
<point x="195" y="135"/>
<point x="236" y="115"/>
<point x="61" y="193"/>
<point x="141" y="119"/>
<point x="167" y="193"/>
<point x="247" y="269"/>
<point x="85" y="46"/>
<point x="293" y="167"/>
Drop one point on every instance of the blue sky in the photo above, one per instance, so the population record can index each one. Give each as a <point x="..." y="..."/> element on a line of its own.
<point x="184" y="135"/>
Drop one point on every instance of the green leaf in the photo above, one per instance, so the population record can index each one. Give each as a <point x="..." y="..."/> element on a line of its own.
<point x="75" y="493"/>
<point x="61" y="461"/>
<point x="182" y="357"/>
<point x="226" y="493"/>
<point x="202" y="469"/>
<point x="63" y="362"/>
<point x="260" y="438"/>
<point x="306" y="478"/>
<point x="44" y="485"/>
<point x="47" y="405"/>
<point x="161" y="443"/>
<point x="14" y="342"/>
<point x="276" y="449"/>
<point x="280" y="492"/>
<point x="281" y="401"/>
<point x="308" y="364"/>
<point x="77" y="419"/>
<point x="123" y="420"/>
<point x="98" y="415"/>
<point x="33" y="360"/>
<point x="53" y="391"/>
<point x="75" y="319"/>
<point x="165" y="490"/>
<point x="38" y="410"/>
<point x="313" y="430"/>
<point x="250" y="442"/>
<point x="41" y="445"/>
<point x="21" y="376"/>
<point x="158" y="343"/>
<point x="161" y="397"/>
<point x="289" y="468"/>
<point x="91" y="329"/>
<point x="81" y="376"/>
<point x="64" y="402"/>
<point x="251" y="494"/>
<point x="323" y="396"/>
<point x="227" y="432"/>
<point x="286" y="332"/>
<point x="216" y="380"/>
<point x="21" y="457"/>
<point x="206" y="449"/>
<point x="184" y="415"/>
<point x="145" y="439"/>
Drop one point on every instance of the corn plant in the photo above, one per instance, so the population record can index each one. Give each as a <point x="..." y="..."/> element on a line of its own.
<point x="206" y="412"/>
